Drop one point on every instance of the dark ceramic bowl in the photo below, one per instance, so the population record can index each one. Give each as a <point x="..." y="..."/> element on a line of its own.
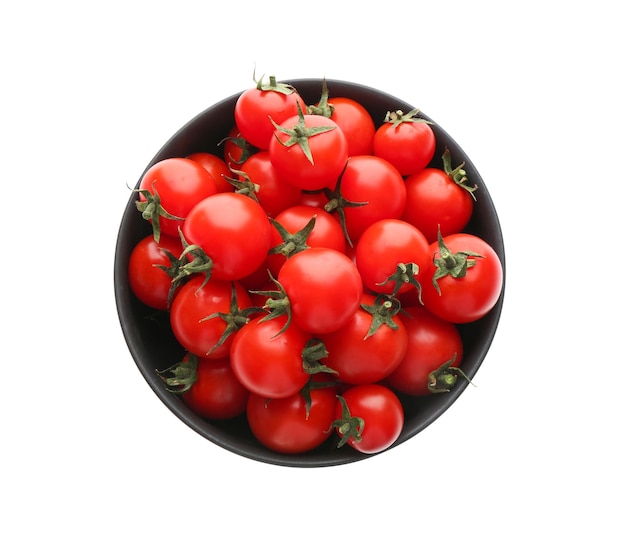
<point x="152" y="345"/>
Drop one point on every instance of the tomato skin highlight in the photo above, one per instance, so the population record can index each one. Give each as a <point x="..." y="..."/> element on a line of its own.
<point x="431" y="343"/>
<point x="233" y="230"/>
<point x="324" y="288"/>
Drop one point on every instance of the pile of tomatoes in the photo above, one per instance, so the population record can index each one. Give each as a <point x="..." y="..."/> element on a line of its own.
<point x="313" y="267"/>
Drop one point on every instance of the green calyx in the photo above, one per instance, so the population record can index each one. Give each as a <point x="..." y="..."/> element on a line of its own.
<point x="246" y="149"/>
<point x="349" y="427"/>
<point x="443" y="379"/>
<point x="315" y="351"/>
<point x="243" y="185"/>
<point x="273" y="85"/>
<point x="405" y="273"/>
<point x="277" y="304"/>
<point x="152" y="210"/>
<point x="398" y="117"/>
<point x="322" y="108"/>
<point x="451" y="264"/>
<point x="181" y="376"/>
<point x="292" y="243"/>
<point x="300" y="134"/>
<point x="234" y="319"/>
<point x="384" y="309"/>
<point x="458" y="174"/>
<point x="311" y="385"/>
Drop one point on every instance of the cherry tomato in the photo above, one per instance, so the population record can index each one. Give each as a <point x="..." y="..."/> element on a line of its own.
<point x="267" y="357"/>
<point x="287" y="425"/>
<point x="194" y="303"/>
<point x="147" y="269"/>
<point x="174" y="185"/>
<point x="392" y="256"/>
<point x="309" y="151"/>
<point x="370" y="418"/>
<point x="362" y="352"/>
<point x="217" y="167"/>
<point x="326" y="232"/>
<point x="216" y="393"/>
<point x="464" y="279"/>
<point x="324" y="289"/>
<point x="258" y="106"/>
<point x="405" y="141"/>
<point x="432" y="342"/>
<point x="233" y="230"/>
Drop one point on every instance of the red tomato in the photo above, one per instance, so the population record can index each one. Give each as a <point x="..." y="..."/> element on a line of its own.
<point x="258" y="106"/>
<point x="439" y="200"/>
<point x="379" y="185"/>
<point x="216" y="393"/>
<point x="267" y="357"/>
<point x="195" y="301"/>
<point x="371" y="419"/>
<point x="272" y="192"/>
<point x="391" y="248"/>
<point x="217" y="167"/>
<point x="405" y="141"/>
<point x="361" y="357"/>
<point x="175" y="186"/>
<point x="432" y="342"/>
<point x="324" y="289"/>
<point x="286" y="426"/>
<point x="326" y="232"/>
<point x="147" y="275"/>
<point x="233" y="230"/>
<point x="464" y="280"/>
<point x="236" y="149"/>
<point x="309" y="151"/>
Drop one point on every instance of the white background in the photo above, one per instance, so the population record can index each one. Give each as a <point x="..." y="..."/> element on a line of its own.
<point x="534" y="94"/>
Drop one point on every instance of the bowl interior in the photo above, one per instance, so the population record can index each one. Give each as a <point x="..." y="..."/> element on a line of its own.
<point x="152" y="345"/>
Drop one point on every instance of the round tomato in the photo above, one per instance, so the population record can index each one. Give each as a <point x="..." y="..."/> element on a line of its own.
<point x="233" y="230"/>
<point x="392" y="256"/>
<point x="464" y="280"/>
<point x="258" y="106"/>
<point x="309" y="151"/>
<point x="405" y="141"/>
<point x="324" y="289"/>
<point x="293" y="425"/>
<point x="272" y="192"/>
<point x="370" y="418"/>
<point x="326" y="233"/>
<point x="148" y="267"/>
<point x="377" y="189"/>
<point x="439" y="200"/>
<point x="267" y="357"/>
<point x="217" y="167"/>
<point x="216" y="393"/>
<point x="370" y="346"/>
<point x="170" y="189"/>
<point x="193" y="319"/>
<point x="432" y="343"/>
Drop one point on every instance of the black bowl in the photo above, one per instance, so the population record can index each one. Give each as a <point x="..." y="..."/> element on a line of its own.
<point x="153" y="346"/>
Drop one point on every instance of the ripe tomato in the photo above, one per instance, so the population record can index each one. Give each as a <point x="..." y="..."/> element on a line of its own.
<point x="370" y="418"/>
<point x="386" y="256"/>
<point x="258" y="106"/>
<point x="147" y="269"/>
<point x="267" y="357"/>
<point x="375" y="182"/>
<point x="195" y="301"/>
<point x="464" y="279"/>
<point x="361" y="357"/>
<point x="217" y="167"/>
<point x="173" y="187"/>
<point x="431" y="343"/>
<point x="439" y="200"/>
<point x="216" y="393"/>
<point x="324" y="289"/>
<point x="309" y="151"/>
<point x="272" y="192"/>
<point x="405" y="141"/>
<point x="233" y="230"/>
<point x="326" y="232"/>
<point x="287" y="425"/>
